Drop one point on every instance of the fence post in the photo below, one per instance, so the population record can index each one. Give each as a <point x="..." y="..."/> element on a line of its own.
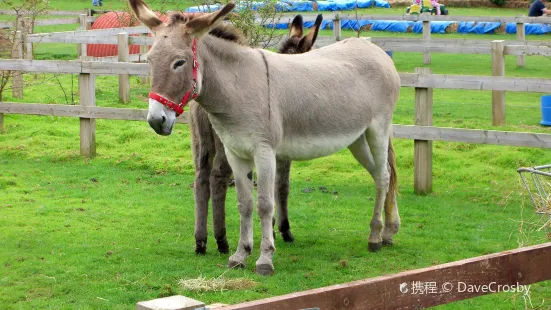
<point x="498" y="96"/>
<point x="143" y="50"/>
<point x="81" y="48"/>
<point x="521" y="36"/>
<point x="87" y="90"/>
<point x="422" y="182"/>
<point x="123" y="56"/>
<point x="337" y="31"/>
<point x="426" y="37"/>
<point x="27" y="29"/>
<point x="17" y="77"/>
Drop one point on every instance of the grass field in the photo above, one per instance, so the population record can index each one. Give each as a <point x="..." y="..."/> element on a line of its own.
<point x="108" y="232"/>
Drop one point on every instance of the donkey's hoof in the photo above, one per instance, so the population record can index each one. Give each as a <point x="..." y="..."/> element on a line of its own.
<point x="200" y="248"/>
<point x="265" y="269"/>
<point x="374" y="247"/>
<point x="287" y="236"/>
<point x="223" y="246"/>
<point x="387" y="242"/>
<point x="234" y="264"/>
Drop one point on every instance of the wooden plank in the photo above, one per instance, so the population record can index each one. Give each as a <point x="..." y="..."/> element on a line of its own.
<point x="527" y="50"/>
<point x="96" y="32"/>
<point x="515" y="267"/>
<point x="17" y="76"/>
<point x="82" y="48"/>
<point x="521" y="36"/>
<point x="124" y="79"/>
<point x="477" y="136"/>
<point x="87" y="91"/>
<point x="426" y="37"/>
<point x="445" y="81"/>
<point x="59" y="13"/>
<point x="72" y="66"/>
<point x="144" y="49"/>
<point x="337" y="30"/>
<point x="498" y="96"/>
<point x="77" y="38"/>
<point x="80" y="111"/>
<point x="58" y="21"/>
<point x="422" y="162"/>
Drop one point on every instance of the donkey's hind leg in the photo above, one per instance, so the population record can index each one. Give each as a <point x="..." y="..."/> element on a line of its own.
<point x="203" y="155"/>
<point x="392" y="218"/>
<point x="282" y="198"/>
<point x="373" y="156"/>
<point x="219" y="178"/>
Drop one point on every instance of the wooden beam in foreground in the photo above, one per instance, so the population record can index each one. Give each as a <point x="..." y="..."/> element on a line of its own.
<point x="520" y="266"/>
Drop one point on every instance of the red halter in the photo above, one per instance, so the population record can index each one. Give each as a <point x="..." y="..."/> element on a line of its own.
<point x="179" y="108"/>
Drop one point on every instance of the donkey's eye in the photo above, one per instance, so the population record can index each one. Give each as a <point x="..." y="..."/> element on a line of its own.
<point x="179" y="63"/>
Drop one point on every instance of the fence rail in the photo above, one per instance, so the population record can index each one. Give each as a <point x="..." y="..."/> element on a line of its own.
<point x="520" y="266"/>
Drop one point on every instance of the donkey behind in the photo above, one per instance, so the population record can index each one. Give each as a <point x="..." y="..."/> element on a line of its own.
<point x="267" y="107"/>
<point x="212" y="170"/>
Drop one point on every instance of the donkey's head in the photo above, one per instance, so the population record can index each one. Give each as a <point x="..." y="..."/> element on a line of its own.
<point x="297" y="43"/>
<point x="174" y="68"/>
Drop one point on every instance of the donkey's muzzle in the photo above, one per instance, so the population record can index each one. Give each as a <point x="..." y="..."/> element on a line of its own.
<point x="160" y="119"/>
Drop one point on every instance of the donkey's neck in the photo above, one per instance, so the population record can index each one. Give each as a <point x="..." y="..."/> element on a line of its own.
<point x="227" y="69"/>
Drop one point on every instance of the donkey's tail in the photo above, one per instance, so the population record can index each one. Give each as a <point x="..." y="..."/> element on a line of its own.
<point x="393" y="185"/>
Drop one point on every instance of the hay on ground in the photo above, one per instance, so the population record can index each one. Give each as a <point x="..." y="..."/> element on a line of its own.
<point x="216" y="284"/>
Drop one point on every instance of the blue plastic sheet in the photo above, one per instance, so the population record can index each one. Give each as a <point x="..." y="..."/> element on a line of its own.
<point x="203" y="8"/>
<point x="327" y="6"/>
<point x="390" y="25"/>
<point x="479" y="28"/>
<point x="435" y="26"/>
<point x="365" y="4"/>
<point x="529" y="28"/>
<point x="326" y="24"/>
<point x="382" y="4"/>
<point x="355" y="24"/>
<point x="301" y="6"/>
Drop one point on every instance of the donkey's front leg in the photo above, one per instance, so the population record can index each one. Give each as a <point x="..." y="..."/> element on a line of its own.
<point x="265" y="162"/>
<point x="243" y="172"/>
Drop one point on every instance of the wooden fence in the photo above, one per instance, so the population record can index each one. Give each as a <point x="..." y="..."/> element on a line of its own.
<point x="427" y="287"/>
<point x="422" y="132"/>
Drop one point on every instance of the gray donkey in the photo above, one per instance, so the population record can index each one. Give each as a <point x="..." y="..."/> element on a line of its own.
<point x="267" y="107"/>
<point x="212" y="170"/>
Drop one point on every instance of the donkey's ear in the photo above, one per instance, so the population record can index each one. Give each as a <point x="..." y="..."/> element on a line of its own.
<point x="201" y="25"/>
<point x="308" y="41"/>
<point x="296" y="27"/>
<point x="145" y="15"/>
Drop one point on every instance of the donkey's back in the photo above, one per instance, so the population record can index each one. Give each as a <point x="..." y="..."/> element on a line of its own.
<point x="349" y="84"/>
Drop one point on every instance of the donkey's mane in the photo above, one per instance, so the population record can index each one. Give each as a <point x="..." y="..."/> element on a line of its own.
<point x="224" y="30"/>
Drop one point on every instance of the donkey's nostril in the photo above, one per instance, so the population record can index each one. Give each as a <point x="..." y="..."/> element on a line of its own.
<point x="164" y="119"/>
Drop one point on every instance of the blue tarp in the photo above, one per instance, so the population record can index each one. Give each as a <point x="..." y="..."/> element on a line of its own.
<point x="390" y="25"/>
<point x="382" y="4"/>
<point x="327" y="6"/>
<point x="529" y="28"/>
<point x="203" y="8"/>
<point x="479" y="28"/>
<point x="302" y="6"/>
<point x="435" y="26"/>
<point x="326" y="24"/>
<point x="355" y="24"/>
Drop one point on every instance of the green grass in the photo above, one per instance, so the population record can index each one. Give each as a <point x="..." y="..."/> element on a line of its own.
<point x="108" y="232"/>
